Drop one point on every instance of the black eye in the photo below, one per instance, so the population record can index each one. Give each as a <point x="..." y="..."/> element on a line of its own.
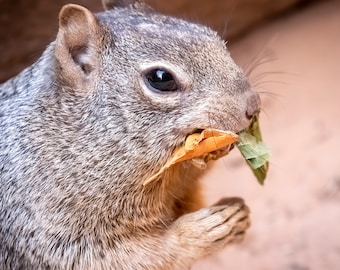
<point x="161" y="80"/>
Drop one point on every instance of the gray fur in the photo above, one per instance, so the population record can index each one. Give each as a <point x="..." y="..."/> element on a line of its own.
<point x="72" y="165"/>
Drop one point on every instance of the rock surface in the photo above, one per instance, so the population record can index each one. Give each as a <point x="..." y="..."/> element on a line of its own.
<point x="31" y="24"/>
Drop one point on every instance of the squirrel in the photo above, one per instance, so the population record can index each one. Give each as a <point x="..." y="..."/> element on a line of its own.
<point x="101" y="111"/>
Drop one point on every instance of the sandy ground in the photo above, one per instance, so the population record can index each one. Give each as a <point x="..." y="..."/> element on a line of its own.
<point x="296" y="214"/>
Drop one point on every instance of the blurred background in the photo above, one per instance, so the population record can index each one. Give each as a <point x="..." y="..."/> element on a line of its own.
<point x="290" y="50"/>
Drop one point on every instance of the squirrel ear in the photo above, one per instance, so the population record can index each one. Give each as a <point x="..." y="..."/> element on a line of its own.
<point x="77" y="47"/>
<point x="110" y="4"/>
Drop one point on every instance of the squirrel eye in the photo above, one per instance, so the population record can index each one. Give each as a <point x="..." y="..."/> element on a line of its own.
<point x="161" y="80"/>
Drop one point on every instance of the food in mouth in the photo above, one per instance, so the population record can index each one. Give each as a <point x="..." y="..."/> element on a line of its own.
<point x="210" y="144"/>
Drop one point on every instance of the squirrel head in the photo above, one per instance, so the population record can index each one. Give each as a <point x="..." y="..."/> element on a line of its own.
<point x="154" y="80"/>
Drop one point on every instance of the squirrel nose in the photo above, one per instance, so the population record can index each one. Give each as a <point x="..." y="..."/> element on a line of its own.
<point x="253" y="105"/>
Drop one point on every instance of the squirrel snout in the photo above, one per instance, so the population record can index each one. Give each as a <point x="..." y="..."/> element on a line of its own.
<point x="253" y="105"/>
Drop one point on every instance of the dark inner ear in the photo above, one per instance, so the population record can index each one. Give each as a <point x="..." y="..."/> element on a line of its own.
<point x="79" y="28"/>
<point x="78" y="46"/>
<point x="80" y="55"/>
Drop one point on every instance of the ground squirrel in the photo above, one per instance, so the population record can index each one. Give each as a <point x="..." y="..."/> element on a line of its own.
<point x="101" y="111"/>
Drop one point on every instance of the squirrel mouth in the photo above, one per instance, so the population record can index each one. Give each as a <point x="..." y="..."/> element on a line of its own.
<point x="203" y="145"/>
<point x="198" y="148"/>
<point x="202" y="161"/>
<point x="217" y="152"/>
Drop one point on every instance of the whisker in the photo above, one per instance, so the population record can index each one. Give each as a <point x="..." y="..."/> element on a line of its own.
<point x="257" y="62"/>
<point x="268" y="93"/>
<point x="231" y="14"/>
<point x="260" y="83"/>
<point x="264" y="112"/>
<point x="266" y="74"/>
<point x="224" y="33"/>
<point x="272" y="96"/>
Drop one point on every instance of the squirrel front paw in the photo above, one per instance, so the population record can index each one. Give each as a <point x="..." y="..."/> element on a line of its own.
<point x="210" y="229"/>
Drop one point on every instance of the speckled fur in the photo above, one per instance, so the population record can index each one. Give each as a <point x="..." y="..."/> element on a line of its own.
<point x="77" y="142"/>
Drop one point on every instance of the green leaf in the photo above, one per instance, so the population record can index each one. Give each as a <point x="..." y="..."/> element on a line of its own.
<point x="254" y="151"/>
